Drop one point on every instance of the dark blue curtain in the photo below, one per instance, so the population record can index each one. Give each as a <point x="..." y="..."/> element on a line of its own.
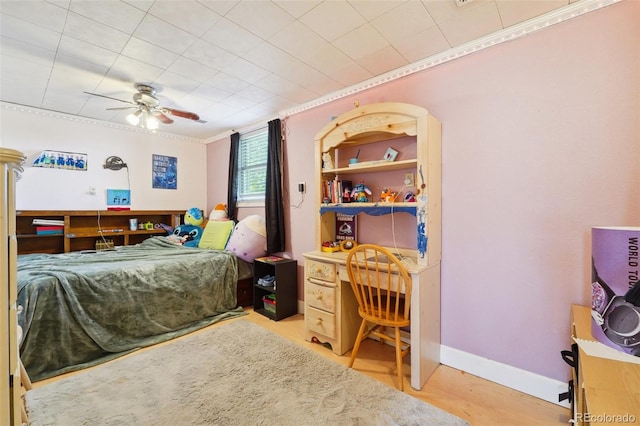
<point x="232" y="192"/>
<point x="274" y="207"/>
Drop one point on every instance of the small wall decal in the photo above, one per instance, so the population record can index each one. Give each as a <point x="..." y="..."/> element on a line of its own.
<point x="61" y="160"/>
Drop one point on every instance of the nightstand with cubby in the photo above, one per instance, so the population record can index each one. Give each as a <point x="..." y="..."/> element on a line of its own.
<point x="275" y="287"/>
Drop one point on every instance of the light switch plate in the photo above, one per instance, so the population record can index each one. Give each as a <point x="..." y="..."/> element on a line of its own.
<point x="409" y="179"/>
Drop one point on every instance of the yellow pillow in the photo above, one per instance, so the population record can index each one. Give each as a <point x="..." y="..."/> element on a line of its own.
<point x="216" y="234"/>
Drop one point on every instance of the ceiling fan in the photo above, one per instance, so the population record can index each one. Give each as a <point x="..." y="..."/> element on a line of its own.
<point x="148" y="112"/>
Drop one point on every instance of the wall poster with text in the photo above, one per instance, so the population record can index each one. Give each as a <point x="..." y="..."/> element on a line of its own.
<point x="165" y="172"/>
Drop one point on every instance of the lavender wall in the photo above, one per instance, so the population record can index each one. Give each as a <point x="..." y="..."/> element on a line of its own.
<point x="541" y="141"/>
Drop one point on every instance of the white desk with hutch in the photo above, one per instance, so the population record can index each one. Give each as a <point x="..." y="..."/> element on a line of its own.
<point x="331" y="312"/>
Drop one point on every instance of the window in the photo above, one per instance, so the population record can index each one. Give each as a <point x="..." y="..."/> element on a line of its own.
<point x="252" y="165"/>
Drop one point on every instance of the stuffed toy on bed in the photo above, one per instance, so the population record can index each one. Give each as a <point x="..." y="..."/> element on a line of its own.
<point x="191" y="232"/>
<point x="219" y="212"/>
<point x="249" y="238"/>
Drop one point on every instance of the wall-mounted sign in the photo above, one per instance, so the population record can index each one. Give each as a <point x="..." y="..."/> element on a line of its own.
<point x="165" y="172"/>
<point x="346" y="227"/>
<point x="61" y="160"/>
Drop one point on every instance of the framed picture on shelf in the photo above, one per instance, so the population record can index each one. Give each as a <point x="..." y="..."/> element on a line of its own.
<point x="390" y="154"/>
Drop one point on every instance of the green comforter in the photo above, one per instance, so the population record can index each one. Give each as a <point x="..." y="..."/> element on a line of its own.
<point x="81" y="308"/>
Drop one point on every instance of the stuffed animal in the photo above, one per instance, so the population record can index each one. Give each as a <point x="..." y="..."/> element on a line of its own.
<point x="191" y="232"/>
<point x="388" y="195"/>
<point x="193" y="216"/>
<point x="360" y="193"/>
<point x="249" y="238"/>
<point x="219" y="212"/>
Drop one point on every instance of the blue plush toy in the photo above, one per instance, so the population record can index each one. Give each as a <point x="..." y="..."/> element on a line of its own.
<point x="360" y="193"/>
<point x="191" y="232"/>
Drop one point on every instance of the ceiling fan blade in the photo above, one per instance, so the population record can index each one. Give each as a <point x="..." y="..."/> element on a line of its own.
<point x="182" y="114"/>
<point x="131" y="107"/>
<point x="163" y="118"/>
<point x="109" y="97"/>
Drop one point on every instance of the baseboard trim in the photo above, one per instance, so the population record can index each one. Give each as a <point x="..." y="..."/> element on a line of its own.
<point x="524" y="381"/>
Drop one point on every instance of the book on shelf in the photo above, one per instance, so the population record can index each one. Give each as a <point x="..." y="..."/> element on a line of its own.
<point x="49" y="230"/>
<point x="48" y="222"/>
<point x="337" y="191"/>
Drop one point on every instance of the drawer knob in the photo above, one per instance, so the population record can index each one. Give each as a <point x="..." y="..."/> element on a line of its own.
<point x="319" y="321"/>
<point x="318" y="296"/>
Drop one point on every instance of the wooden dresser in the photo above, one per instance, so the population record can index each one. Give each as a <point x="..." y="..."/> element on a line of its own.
<point x="606" y="392"/>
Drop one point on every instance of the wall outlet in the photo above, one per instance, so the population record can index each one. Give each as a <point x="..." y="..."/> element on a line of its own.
<point x="301" y="187"/>
<point x="409" y="179"/>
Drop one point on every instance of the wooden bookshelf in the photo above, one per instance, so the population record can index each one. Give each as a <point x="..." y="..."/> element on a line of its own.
<point x="83" y="228"/>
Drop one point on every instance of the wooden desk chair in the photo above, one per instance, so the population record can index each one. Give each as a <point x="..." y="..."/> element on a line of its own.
<point x="383" y="297"/>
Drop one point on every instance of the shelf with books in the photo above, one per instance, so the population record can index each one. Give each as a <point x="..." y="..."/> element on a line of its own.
<point x="82" y="229"/>
<point x="336" y="191"/>
<point x="355" y="148"/>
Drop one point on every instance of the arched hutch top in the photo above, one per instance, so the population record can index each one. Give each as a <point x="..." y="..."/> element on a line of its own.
<point x="379" y="122"/>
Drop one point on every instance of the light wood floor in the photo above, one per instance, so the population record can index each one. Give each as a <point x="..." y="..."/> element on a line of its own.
<point x="478" y="401"/>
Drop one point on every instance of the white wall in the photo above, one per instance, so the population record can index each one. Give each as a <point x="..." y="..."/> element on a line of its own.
<point x="55" y="189"/>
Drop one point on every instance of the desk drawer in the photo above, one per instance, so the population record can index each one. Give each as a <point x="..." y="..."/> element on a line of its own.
<point x="320" y="270"/>
<point x="320" y="322"/>
<point x="320" y="296"/>
<point x="384" y="279"/>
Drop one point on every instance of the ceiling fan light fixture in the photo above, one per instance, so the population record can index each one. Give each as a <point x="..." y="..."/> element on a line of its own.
<point x="151" y="122"/>
<point x="148" y="113"/>
<point x="134" y="118"/>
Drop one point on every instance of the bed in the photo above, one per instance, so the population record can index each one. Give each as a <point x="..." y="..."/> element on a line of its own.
<point x="83" y="308"/>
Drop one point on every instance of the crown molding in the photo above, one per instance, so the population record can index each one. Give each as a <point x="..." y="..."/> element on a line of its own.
<point x="94" y="122"/>
<point x="573" y="10"/>
<point x="522" y="29"/>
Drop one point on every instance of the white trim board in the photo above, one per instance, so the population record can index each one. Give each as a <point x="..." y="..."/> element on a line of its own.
<point x="524" y="381"/>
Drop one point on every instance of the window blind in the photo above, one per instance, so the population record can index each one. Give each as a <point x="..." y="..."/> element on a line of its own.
<point x="252" y="165"/>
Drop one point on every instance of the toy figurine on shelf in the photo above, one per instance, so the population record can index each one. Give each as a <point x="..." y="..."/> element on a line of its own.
<point x="388" y="196"/>
<point x="360" y="193"/>
<point x="327" y="161"/>
<point x="409" y="197"/>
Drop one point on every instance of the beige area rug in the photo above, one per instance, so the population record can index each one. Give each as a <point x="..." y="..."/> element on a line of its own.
<point x="235" y="374"/>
